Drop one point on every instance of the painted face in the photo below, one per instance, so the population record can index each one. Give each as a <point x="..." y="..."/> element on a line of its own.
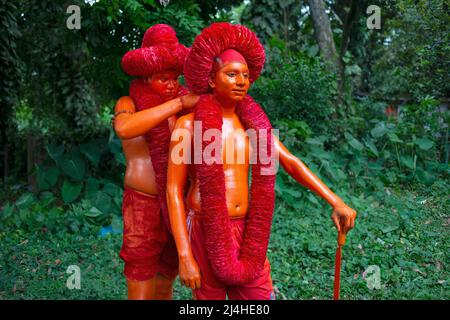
<point x="165" y="84"/>
<point x="231" y="82"/>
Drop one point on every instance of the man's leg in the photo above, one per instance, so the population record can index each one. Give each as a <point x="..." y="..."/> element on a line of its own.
<point x="141" y="290"/>
<point x="163" y="287"/>
<point x="142" y="243"/>
<point x="259" y="288"/>
<point x="210" y="287"/>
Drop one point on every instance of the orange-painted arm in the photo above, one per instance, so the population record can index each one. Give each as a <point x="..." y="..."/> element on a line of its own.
<point x="176" y="181"/>
<point x="343" y="216"/>
<point x="132" y="124"/>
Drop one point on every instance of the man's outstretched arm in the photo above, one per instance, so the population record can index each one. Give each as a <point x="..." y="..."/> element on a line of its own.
<point x="130" y="124"/>
<point x="343" y="216"/>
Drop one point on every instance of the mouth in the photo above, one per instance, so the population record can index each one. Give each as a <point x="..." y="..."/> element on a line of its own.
<point x="239" y="91"/>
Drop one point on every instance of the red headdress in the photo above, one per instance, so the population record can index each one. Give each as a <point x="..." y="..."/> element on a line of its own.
<point x="215" y="39"/>
<point x="228" y="265"/>
<point x="160" y="51"/>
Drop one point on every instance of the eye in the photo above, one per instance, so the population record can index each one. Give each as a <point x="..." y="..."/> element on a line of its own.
<point x="246" y="75"/>
<point x="231" y="74"/>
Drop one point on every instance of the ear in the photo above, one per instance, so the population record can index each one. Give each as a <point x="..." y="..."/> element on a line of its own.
<point x="211" y="80"/>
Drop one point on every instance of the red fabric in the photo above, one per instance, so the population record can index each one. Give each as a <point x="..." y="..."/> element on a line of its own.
<point x="158" y="138"/>
<point x="260" y="288"/>
<point x="213" y="41"/>
<point x="147" y="246"/>
<point x="160" y="51"/>
<point x="230" y="266"/>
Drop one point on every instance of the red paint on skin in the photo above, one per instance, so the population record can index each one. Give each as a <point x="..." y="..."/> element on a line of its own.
<point x="164" y="84"/>
<point x="231" y="83"/>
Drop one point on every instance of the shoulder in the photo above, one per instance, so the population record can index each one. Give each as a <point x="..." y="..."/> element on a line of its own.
<point x="125" y="103"/>
<point x="185" y="122"/>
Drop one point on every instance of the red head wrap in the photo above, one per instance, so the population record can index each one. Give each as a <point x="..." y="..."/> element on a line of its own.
<point x="228" y="56"/>
<point x="160" y="51"/>
<point x="212" y="43"/>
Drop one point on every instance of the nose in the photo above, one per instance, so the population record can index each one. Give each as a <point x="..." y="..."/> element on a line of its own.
<point x="240" y="80"/>
<point x="171" y="84"/>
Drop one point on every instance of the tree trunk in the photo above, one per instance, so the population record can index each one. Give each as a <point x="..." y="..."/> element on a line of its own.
<point x="6" y="152"/>
<point x="322" y="32"/>
<point x="32" y="159"/>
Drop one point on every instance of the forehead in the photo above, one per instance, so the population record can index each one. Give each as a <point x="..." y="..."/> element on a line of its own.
<point x="234" y="66"/>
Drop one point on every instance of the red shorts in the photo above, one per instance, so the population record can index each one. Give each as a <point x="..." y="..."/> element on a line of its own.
<point x="148" y="247"/>
<point x="211" y="288"/>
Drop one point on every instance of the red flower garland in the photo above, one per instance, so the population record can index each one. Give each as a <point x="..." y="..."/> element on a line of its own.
<point x="158" y="138"/>
<point x="229" y="266"/>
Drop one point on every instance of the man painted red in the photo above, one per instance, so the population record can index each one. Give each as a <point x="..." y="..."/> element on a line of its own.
<point x="222" y="246"/>
<point x="143" y="122"/>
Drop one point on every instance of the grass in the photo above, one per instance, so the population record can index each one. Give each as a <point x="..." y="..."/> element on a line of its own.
<point x="404" y="233"/>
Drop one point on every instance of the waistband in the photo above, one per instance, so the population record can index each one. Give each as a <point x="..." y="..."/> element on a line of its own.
<point x="129" y="189"/>
<point x="191" y="213"/>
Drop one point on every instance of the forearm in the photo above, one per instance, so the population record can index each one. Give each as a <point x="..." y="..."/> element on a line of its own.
<point x="129" y="126"/>
<point x="177" y="216"/>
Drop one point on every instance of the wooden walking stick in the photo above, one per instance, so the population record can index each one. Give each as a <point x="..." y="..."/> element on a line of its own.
<point x="337" y="266"/>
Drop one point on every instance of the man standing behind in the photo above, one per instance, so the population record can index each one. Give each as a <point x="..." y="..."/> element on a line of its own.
<point x="148" y="250"/>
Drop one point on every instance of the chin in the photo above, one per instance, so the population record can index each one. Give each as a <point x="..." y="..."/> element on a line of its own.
<point x="240" y="98"/>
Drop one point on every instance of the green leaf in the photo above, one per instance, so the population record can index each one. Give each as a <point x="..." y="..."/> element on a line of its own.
<point x="114" y="144"/>
<point x="379" y="131"/>
<point x="55" y="152"/>
<point x="74" y="167"/>
<point x="7" y="210"/>
<point x="47" y="178"/>
<point x="42" y="182"/>
<point x="110" y="189"/>
<point x="117" y="224"/>
<point x="92" y="186"/>
<point x="120" y="159"/>
<point x="101" y="201"/>
<point x="394" y="138"/>
<point x="93" y="212"/>
<point x="47" y="198"/>
<point x="424" y="144"/>
<point x="320" y="154"/>
<point x="313" y="199"/>
<point x="25" y="201"/>
<point x="353" y="142"/>
<point x="71" y="190"/>
<point x="91" y="151"/>
<point x="293" y="192"/>
<point x="369" y="143"/>
<point x="407" y="161"/>
<point x="425" y="177"/>
<point x="317" y="141"/>
<point x="355" y="166"/>
<point x="389" y="228"/>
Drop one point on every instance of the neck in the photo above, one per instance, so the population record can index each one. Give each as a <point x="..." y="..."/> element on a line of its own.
<point x="228" y="107"/>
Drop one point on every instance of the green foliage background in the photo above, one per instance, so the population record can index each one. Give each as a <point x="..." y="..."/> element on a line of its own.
<point x="63" y="164"/>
